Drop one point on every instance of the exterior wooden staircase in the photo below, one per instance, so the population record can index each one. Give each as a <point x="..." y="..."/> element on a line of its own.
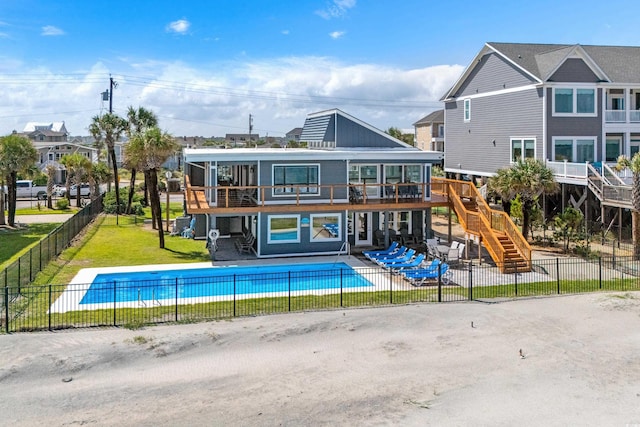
<point x="500" y="236"/>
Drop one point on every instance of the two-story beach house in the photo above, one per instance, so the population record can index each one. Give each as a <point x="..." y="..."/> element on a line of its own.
<point x="575" y="107"/>
<point x="429" y="131"/>
<point x="352" y="184"/>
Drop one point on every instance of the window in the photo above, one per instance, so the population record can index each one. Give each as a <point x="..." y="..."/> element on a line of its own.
<point x="577" y="150"/>
<point x="365" y="174"/>
<point x="569" y="101"/>
<point x="296" y="179"/>
<point x="326" y="227"/>
<point x="635" y="147"/>
<point x="612" y="149"/>
<point x="467" y="110"/>
<point x="440" y="131"/>
<point x="397" y="221"/>
<point x="522" y="148"/>
<point x="283" y="229"/>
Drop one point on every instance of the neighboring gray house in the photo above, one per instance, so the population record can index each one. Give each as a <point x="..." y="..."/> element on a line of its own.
<point x="293" y="135"/>
<point x="575" y="107"/>
<point x="429" y="131"/>
<point x="313" y="200"/>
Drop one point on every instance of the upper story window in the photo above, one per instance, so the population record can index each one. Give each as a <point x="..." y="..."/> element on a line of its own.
<point x="440" y="131"/>
<point x="296" y="179"/>
<point x="574" y="101"/>
<point x="523" y="148"/>
<point x="467" y="110"/>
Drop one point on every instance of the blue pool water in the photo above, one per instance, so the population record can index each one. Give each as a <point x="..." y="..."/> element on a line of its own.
<point x="220" y="281"/>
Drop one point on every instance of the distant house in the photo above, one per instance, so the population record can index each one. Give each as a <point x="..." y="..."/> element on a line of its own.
<point x="51" y="142"/>
<point x="429" y="131"/>
<point x="293" y="135"/>
<point x="241" y="139"/>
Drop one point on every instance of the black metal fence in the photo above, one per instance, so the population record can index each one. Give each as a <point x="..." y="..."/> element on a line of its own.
<point x="171" y="299"/>
<point x="21" y="272"/>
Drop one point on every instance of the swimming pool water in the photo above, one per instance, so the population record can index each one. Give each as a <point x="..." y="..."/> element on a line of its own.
<point x="220" y="281"/>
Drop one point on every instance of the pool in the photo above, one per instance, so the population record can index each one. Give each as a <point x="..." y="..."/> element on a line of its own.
<point x="220" y="282"/>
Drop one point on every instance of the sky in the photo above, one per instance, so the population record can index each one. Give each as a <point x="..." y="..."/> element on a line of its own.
<point x="204" y="66"/>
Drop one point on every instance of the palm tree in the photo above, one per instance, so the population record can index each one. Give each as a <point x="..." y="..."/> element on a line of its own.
<point x="139" y="120"/>
<point x="51" y="174"/>
<point x="98" y="174"/>
<point x="633" y="164"/>
<point x="69" y="165"/>
<point x="529" y="179"/>
<point x="109" y="127"/>
<point x="500" y="184"/>
<point x="147" y="151"/>
<point x="17" y="154"/>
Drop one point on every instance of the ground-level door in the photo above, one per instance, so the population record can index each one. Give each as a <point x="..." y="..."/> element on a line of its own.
<point x="363" y="225"/>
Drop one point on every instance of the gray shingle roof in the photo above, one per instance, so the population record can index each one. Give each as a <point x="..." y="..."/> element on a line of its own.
<point x="621" y="64"/>
<point x="434" y="117"/>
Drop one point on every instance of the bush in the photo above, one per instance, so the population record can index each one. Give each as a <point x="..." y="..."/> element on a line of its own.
<point x="109" y="201"/>
<point x="62" y="204"/>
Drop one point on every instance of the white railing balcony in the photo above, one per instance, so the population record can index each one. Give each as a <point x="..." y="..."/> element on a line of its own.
<point x="568" y="169"/>
<point x="616" y="116"/>
<point x="634" y="116"/>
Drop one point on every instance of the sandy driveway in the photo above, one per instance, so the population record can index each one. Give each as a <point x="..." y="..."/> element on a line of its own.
<point x="406" y="365"/>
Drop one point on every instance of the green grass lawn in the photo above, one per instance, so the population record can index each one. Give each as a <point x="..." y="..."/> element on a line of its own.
<point x="18" y="241"/>
<point x="105" y="244"/>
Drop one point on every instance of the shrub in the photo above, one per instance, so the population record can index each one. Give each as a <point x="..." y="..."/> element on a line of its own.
<point x="62" y="204"/>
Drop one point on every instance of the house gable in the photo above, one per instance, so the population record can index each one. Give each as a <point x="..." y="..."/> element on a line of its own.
<point x="574" y="70"/>
<point x="321" y="129"/>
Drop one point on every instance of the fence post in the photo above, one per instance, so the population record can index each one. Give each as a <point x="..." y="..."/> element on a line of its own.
<point x="234" y="295"/>
<point x="390" y="286"/>
<point x="440" y="282"/>
<point x="341" y="287"/>
<point x="49" y="307"/>
<point x="515" y="274"/>
<point x="600" y="272"/>
<point x="114" y="304"/>
<point x="30" y="264"/>
<point x="558" y="274"/>
<point x="6" y="307"/>
<point x="19" y="274"/>
<point x="289" y="290"/>
<point x="470" y="281"/>
<point x="176" y="299"/>
<point x="40" y="255"/>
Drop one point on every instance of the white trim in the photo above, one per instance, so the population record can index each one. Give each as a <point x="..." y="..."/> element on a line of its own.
<point x="574" y="151"/>
<point x="574" y="88"/>
<point x="338" y="238"/>
<point x="466" y="110"/>
<point x="276" y="242"/>
<point x="500" y="92"/>
<point x="303" y="154"/>
<point x="522" y="139"/>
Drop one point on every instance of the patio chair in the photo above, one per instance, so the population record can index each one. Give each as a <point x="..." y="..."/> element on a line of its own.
<point x="432" y="266"/>
<point x="245" y="245"/>
<point x="453" y="256"/>
<point x="355" y="195"/>
<point x="461" y="250"/>
<point x="400" y="252"/>
<point x="190" y="232"/>
<point x="400" y="259"/>
<point x="424" y="277"/>
<point x="391" y="249"/>
<point x="398" y="266"/>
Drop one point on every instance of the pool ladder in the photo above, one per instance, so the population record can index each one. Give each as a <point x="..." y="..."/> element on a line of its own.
<point x="346" y="247"/>
<point x="154" y="300"/>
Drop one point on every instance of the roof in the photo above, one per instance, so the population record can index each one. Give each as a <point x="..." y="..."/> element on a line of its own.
<point x="434" y="117"/>
<point x="615" y="64"/>
<point x="51" y="126"/>
<point x="295" y="131"/>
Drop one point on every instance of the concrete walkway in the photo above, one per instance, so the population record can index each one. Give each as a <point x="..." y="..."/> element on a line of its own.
<point x="41" y="219"/>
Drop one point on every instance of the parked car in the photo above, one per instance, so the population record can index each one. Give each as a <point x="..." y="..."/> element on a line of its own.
<point x="85" y="191"/>
<point x="26" y="189"/>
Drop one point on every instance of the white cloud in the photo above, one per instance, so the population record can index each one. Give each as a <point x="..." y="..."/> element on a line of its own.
<point x="336" y="9"/>
<point x="285" y="32"/>
<point x="50" y="30"/>
<point x="214" y="99"/>
<point x="336" y="34"/>
<point x="181" y="26"/>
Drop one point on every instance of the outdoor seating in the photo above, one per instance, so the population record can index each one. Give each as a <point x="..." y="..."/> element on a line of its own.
<point x="400" y="252"/>
<point x="453" y="256"/>
<point x="421" y="278"/>
<point x="399" y="259"/>
<point x="391" y="249"/>
<point x="398" y="266"/>
<point x="355" y="195"/>
<point x="245" y="243"/>
<point x="190" y="232"/>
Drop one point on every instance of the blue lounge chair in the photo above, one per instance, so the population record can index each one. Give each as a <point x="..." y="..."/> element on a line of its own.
<point x="190" y="232"/>
<point x="420" y="278"/>
<point x="406" y="257"/>
<point x="332" y="229"/>
<point x="400" y="252"/>
<point x="397" y="266"/>
<point x="391" y="249"/>
<point x="433" y="265"/>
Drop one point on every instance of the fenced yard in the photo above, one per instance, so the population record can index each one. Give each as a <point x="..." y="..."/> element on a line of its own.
<point x="28" y="308"/>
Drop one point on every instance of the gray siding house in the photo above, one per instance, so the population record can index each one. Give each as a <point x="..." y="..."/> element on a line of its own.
<point x="351" y="182"/>
<point x="574" y="107"/>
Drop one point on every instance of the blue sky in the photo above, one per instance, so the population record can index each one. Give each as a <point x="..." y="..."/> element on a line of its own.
<point x="204" y="66"/>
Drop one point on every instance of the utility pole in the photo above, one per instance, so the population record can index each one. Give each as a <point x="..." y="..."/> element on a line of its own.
<point x="251" y="128"/>
<point x="112" y="85"/>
